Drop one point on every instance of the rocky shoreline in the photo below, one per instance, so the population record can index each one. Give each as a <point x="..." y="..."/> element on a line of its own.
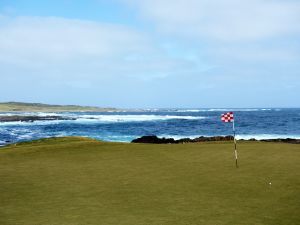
<point x="32" y="118"/>
<point x="156" y="140"/>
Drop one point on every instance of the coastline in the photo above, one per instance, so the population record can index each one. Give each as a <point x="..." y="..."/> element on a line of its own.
<point x="157" y="140"/>
<point x="40" y="107"/>
<point x="125" y="126"/>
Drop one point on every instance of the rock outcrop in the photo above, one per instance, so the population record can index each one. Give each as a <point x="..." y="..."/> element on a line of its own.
<point x="156" y="140"/>
<point x="32" y="118"/>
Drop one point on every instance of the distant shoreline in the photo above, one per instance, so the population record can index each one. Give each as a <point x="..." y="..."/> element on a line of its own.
<point x="39" y="107"/>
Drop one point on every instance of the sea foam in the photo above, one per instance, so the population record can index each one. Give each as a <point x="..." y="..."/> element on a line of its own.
<point x="266" y="136"/>
<point x="135" y="118"/>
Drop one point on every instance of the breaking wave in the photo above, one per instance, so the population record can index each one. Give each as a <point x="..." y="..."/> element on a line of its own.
<point x="102" y="119"/>
<point x="266" y="136"/>
<point x="259" y="123"/>
<point x="135" y="118"/>
<point x="238" y="137"/>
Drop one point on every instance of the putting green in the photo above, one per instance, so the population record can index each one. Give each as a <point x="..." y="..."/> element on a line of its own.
<point x="79" y="181"/>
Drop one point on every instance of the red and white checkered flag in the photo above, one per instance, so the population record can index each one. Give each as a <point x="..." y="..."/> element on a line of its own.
<point x="227" y="117"/>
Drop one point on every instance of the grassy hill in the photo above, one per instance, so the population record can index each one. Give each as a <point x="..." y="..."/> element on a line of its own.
<point x="38" y="107"/>
<point x="74" y="181"/>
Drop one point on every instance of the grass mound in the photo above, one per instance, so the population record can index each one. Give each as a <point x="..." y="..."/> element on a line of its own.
<point x="80" y="181"/>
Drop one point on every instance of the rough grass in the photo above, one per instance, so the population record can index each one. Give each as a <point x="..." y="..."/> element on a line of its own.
<point x="79" y="181"/>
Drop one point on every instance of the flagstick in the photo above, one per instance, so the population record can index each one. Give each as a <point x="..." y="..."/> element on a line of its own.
<point x="235" y="151"/>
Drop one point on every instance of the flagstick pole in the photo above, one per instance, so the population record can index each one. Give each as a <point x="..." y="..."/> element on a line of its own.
<point x="235" y="150"/>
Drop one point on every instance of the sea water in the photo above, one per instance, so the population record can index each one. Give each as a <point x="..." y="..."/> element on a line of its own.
<point x="176" y="123"/>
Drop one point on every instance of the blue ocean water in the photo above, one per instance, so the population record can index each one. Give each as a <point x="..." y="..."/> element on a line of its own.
<point x="176" y="123"/>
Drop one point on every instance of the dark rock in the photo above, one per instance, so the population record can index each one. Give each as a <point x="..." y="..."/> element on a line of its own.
<point x="32" y="118"/>
<point x="185" y="140"/>
<point x="215" y="138"/>
<point x="154" y="140"/>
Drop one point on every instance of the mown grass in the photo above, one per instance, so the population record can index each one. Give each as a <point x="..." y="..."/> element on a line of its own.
<point x="79" y="181"/>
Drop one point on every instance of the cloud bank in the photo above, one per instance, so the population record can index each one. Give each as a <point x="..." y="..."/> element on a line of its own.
<point x="181" y="54"/>
<point x="223" y="20"/>
<point x="42" y="44"/>
<point x="37" y="40"/>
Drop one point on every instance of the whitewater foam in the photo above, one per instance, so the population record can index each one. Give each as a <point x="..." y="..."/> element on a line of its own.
<point x="177" y="137"/>
<point x="30" y="114"/>
<point x="238" y="137"/>
<point x="266" y="136"/>
<point x="134" y="118"/>
<point x="185" y="123"/>
<point x="24" y="123"/>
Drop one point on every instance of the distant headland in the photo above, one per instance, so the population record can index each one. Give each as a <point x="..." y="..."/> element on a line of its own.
<point x="40" y="107"/>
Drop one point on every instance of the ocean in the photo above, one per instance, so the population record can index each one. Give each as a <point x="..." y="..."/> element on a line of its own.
<point x="176" y="123"/>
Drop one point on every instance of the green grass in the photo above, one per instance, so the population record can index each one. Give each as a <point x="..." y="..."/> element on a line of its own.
<point x="79" y="181"/>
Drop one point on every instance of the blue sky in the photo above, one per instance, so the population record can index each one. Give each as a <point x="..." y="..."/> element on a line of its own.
<point x="151" y="53"/>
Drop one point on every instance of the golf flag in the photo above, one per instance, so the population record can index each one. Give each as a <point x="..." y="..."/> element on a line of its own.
<point x="227" y="117"/>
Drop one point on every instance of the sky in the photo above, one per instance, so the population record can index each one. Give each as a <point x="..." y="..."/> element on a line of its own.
<point x="151" y="53"/>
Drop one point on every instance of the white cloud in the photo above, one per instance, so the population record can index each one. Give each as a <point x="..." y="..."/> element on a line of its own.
<point x="225" y="20"/>
<point x="65" y="48"/>
<point x="226" y="32"/>
<point x="198" y="49"/>
<point x="42" y="40"/>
